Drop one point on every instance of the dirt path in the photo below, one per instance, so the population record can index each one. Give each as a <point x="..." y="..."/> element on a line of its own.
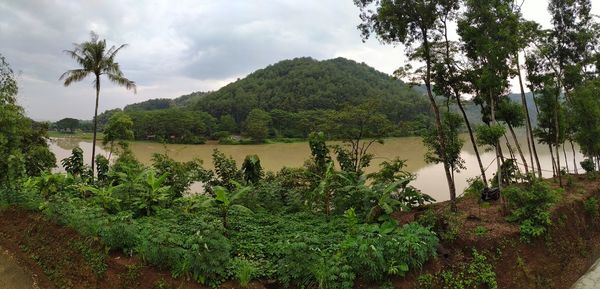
<point x="12" y="276"/>
<point x="591" y="279"/>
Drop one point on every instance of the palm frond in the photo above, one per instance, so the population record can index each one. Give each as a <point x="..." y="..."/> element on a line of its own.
<point x="112" y="52"/>
<point x="119" y="79"/>
<point x="74" y="76"/>
<point x="76" y="55"/>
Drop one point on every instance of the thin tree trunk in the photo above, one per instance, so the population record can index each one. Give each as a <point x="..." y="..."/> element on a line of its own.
<point x="111" y="151"/>
<point x="512" y="131"/>
<point x="557" y="132"/>
<point x="553" y="160"/>
<point x="95" y="123"/>
<point x="511" y="152"/>
<point x="498" y="165"/>
<point x="565" y="155"/>
<point x="558" y="168"/>
<point x="528" y="126"/>
<point x="438" y="121"/>
<point x="574" y="159"/>
<point x="472" y="137"/>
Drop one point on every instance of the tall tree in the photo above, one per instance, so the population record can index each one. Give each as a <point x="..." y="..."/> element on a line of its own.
<point x="563" y="60"/>
<point x="527" y="31"/>
<point x="411" y="22"/>
<point x="358" y="127"/>
<point x="118" y="129"/>
<point x="586" y="115"/>
<point x="23" y="142"/>
<point x="96" y="60"/>
<point x="449" y="79"/>
<point x="488" y="30"/>
<point x="257" y="125"/>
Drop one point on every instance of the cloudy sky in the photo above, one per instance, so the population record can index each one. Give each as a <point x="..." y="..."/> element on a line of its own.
<point x="176" y="47"/>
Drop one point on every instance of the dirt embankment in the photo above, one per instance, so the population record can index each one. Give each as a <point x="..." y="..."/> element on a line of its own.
<point x="61" y="258"/>
<point x="556" y="260"/>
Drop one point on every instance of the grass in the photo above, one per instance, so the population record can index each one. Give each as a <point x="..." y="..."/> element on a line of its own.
<point x="79" y="135"/>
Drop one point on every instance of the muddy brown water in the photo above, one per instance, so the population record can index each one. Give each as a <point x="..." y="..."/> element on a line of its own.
<point x="13" y="276"/>
<point x="430" y="178"/>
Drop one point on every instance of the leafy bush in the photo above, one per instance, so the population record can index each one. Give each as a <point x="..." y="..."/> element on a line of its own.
<point x="591" y="206"/>
<point x="530" y="206"/>
<point x="474" y="188"/>
<point x="226" y="170"/>
<point x="243" y="270"/>
<point x="378" y="251"/>
<point x="474" y="275"/>
<point x="102" y="167"/>
<point x="74" y="164"/>
<point x="180" y="175"/>
<point x="588" y="165"/>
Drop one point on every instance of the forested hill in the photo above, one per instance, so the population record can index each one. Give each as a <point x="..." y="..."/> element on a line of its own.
<point x="291" y="98"/>
<point x="306" y="84"/>
<point x="164" y="103"/>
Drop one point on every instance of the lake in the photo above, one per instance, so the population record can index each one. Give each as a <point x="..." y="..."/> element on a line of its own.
<point x="430" y="177"/>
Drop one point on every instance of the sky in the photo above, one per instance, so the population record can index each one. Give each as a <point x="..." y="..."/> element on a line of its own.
<point x="178" y="47"/>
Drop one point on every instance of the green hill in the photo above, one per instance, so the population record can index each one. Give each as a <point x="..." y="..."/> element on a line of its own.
<point x="164" y="103"/>
<point x="306" y="84"/>
<point x="297" y="96"/>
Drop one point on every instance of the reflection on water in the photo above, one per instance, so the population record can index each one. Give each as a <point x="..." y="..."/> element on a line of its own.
<point x="430" y="178"/>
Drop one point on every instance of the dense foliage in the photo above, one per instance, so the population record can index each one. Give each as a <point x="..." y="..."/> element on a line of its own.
<point x="305" y="85"/>
<point x="530" y="207"/>
<point x="23" y="148"/>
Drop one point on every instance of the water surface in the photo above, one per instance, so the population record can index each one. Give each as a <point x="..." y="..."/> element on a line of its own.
<point x="430" y="179"/>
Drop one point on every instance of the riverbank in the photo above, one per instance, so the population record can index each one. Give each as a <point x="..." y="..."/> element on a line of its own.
<point x="478" y="245"/>
<point x="76" y="135"/>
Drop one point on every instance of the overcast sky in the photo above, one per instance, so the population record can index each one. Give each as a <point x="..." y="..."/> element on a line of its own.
<point x="177" y="47"/>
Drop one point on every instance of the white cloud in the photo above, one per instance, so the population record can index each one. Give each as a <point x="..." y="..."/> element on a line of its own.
<point x="176" y="47"/>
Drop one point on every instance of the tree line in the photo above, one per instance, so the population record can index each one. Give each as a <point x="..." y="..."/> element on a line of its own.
<point x="561" y="68"/>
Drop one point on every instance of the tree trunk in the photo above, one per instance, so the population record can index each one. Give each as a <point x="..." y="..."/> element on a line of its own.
<point x="557" y="133"/>
<point x="438" y="121"/>
<point x="565" y="155"/>
<point x="518" y="148"/>
<point x="528" y="127"/>
<point x="558" y="169"/>
<point x="553" y="160"/>
<point x="95" y="123"/>
<point x="511" y="152"/>
<point x="498" y="164"/>
<point x="574" y="159"/>
<point x="472" y="137"/>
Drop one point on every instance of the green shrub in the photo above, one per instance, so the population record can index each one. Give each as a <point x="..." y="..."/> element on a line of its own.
<point x="476" y="274"/>
<point x="243" y="270"/>
<point x="591" y="206"/>
<point x="120" y="235"/>
<point x="530" y="206"/>
<point x="480" y="231"/>
<point x="588" y="165"/>
<point x="425" y="281"/>
<point x="381" y="250"/>
<point x="474" y="188"/>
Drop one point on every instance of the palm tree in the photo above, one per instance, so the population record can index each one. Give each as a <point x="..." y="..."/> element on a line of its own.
<point x="96" y="60"/>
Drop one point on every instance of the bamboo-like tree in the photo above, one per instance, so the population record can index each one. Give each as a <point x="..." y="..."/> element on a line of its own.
<point x="527" y="32"/>
<point x="488" y="29"/>
<point x="449" y="77"/>
<point x="415" y="24"/>
<point x="96" y="60"/>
